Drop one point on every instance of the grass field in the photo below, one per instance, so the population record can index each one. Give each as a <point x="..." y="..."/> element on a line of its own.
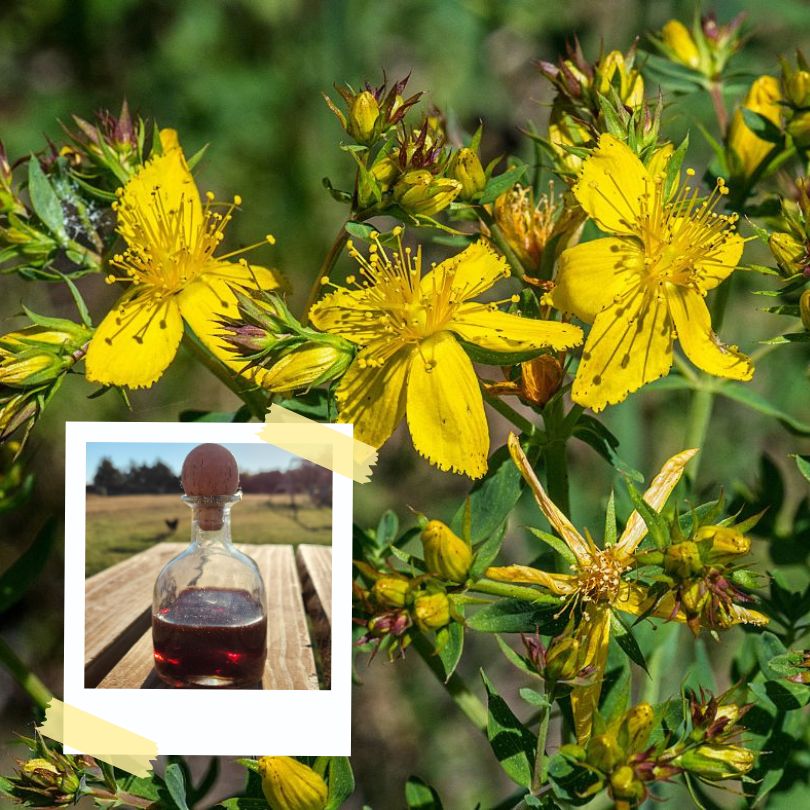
<point x="120" y="526"/>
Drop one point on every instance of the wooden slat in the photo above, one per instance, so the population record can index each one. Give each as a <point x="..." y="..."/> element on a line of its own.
<point x="316" y="562"/>
<point x="290" y="663"/>
<point x="118" y="604"/>
<point x="136" y="669"/>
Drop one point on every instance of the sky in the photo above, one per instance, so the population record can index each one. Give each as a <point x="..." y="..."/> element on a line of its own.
<point x="251" y="458"/>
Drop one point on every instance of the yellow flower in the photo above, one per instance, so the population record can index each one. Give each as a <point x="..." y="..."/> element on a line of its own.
<point x="614" y="70"/>
<point x="409" y="327"/>
<point x="290" y="785"/>
<point x="597" y="584"/>
<point x="680" y="43"/>
<point x="173" y="274"/>
<point x="747" y="149"/>
<point x="648" y="280"/>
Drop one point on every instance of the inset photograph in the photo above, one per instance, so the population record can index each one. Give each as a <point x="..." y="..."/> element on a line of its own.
<point x="208" y="566"/>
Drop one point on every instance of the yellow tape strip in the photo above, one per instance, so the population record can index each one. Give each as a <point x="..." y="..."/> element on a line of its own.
<point x="319" y="444"/>
<point x="98" y="738"/>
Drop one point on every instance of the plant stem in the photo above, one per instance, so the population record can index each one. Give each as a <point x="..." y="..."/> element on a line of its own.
<point x="464" y="698"/>
<point x="329" y="261"/>
<point x="716" y="95"/>
<point x="248" y="392"/>
<point x="496" y="235"/>
<point x="697" y="426"/>
<point x="33" y="686"/>
<point x="557" y="474"/>
<point x="508" y="412"/>
<point x="513" y="592"/>
<point x="539" y="772"/>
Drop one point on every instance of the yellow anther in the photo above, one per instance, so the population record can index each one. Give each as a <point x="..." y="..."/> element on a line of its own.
<point x="515" y="299"/>
<point x="324" y="280"/>
<point x="690" y="172"/>
<point x="237" y="200"/>
<point x="270" y="239"/>
<point x="209" y="195"/>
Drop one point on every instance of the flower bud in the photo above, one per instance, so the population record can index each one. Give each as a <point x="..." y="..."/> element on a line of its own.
<point x="604" y="752"/>
<point x="393" y="623"/>
<point x="796" y="87"/>
<point x="716" y="762"/>
<point x="626" y="786"/>
<point x="391" y="590"/>
<point x="290" y="785"/>
<point x="311" y="364"/>
<point x="363" y="114"/>
<point x="682" y="560"/>
<point x="446" y="554"/>
<point x="385" y="171"/>
<point x="467" y="169"/>
<point x="747" y="149"/>
<point x="680" y="44"/>
<point x="790" y="254"/>
<point x="542" y="377"/>
<point x="630" y="84"/>
<point x="636" y="727"/>
<point x="431" y="611"/>
<point x="562" y="659"/>
<point x="798" y="127"/>
<point x="418" y="192"/>
<point x="804" y="309"/>
<point x="694" y="597"/>
<point x="725" y="542"/>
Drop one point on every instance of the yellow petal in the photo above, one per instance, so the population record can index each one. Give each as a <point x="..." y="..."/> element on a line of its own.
<point x="164" y="184"/>
<point x="699" y="343"/>
<point x="656" y="496"/>
<point x="559" y="522"/>
<point x="245" y="276"/>
<point x="501" y="332"/>
<point x="763" y="98"/>
<point x="371" y="394"/>
<point x="343" y="313"/>
<point x="630" y="344"/>
<point x="466" y="274"/>
<point x="445" y="408"/>
<point x="719" y="264"/>
<point x="593" y="633"/>
<point x="592" y="274"/>
<point x="742" y="615"/>
<point x="561" y="584"/>
<point x="635" y="599"/>
<point x="135" y="343"/>
<point x="612" y="185"/>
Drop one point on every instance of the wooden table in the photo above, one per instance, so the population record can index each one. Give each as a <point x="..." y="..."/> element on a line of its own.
<point x="118" y="607"/>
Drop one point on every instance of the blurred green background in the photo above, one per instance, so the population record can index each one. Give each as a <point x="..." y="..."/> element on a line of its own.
<point x="246" y="76"/>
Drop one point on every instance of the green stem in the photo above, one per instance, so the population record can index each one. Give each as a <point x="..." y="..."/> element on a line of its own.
<point x="513" y="592"/>
<point x="33" y="686"/>
<point x="508" y="412"/>
<point x="697" y="426"/>
<point x="539" y="772"/>
<point x="556" y="459"/>
<point x="248" y="392"/>
<point x="329" y="261"/>
<point x="496" y="234"/>
<point x="462" y="695"/>
<point x="716" y="94"/>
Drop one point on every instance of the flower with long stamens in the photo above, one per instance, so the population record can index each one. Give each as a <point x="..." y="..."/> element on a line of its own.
<point x="599" y="584"/>
<point x="646" y="283"/>
<point x="411" y="361"/>
<point x="173" y="275"/>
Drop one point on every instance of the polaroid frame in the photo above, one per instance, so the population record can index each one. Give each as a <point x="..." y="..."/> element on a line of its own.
<point x="211" y="722"/>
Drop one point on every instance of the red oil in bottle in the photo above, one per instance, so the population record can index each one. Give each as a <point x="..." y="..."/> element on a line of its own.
<point x="210" y="637"/>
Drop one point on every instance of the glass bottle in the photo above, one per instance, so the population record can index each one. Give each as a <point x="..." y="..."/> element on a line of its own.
<point x="209" y="615"/>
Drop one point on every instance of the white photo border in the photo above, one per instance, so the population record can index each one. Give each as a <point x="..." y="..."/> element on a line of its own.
<point x="210" y="722"/>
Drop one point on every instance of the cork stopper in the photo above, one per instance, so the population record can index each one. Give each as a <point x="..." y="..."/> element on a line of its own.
<point x="210" y="471"/>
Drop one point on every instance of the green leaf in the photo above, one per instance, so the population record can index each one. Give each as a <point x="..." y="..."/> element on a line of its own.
<point x="626" y="640"/>
<point x="611" y="530"/>
<point x="803" y="463"/>
<point x="534" y="698"/>
<point x="387" y="529"/>
<point x="558" y="545"/>
<point x="450" y="653"/>
<point x="515" y="616"/>
<point x="501" y="183"/>
<point x="700" y="673"/>
<point x="493" y="358"/>
<point x="516" y="660"/>
<point x="45" y="201"/>
<point x="176" y="785"/>
<point x="341" y="782"/>
<point x="316" y="404"/>
<point x="242" y="415"/>
<point x="573" y="783"/>
<point x="674" y="166"/>
<point x="751" y="399"/>
<point x="421" y="796"/>
<point x="656" y="525"/>
<point x="596" y="435"/>
<point x="242" y="803"/>
<point x="17" y="579"/>
<point x="512" y="743"/>
<point x="761" y="126"/>
<point x="486" y="553"/>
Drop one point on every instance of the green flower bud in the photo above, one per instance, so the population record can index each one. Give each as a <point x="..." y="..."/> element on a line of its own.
<point x="391" y="590"/>
<point x="467" y="169"/>
<point x="420" y="193"/>
<point x="725" y="541"/>
<point x="682" y="560"/>
<point x="799" y="128"/>
<point x="789" y="252"/>
<point x="635" y="728"/>
<point x="364" y="112"/>
<point x="680" y="44"/>
<point x="446" y="555"/>
<point x="604" y="752"/>
<point x="431" y="611"/>
<point x="626" y="786"/>
<point x="311" y="364"/>
<point x="716" y="762"/>
<point x="290" y="785"/>
<point x="562" y="659"/>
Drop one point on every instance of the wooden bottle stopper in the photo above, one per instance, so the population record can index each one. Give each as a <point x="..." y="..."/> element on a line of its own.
<point x="210" y="470"/>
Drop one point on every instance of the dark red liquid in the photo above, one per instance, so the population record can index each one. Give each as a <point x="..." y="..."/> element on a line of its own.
<point x="210" y="637"/>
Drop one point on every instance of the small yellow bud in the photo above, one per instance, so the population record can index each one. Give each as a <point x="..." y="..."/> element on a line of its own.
<point x="626" y="786"/>
<point x="419" y="192"/>
<point x="804" y="309"/>
<point x="311" y="364"/>
<point x="748" y="150"/>
<point x="604" y="752"/>
<point x="467" y="169"/>
<point x="682" y="560"/>
<point x="290" y="785"/>
<point x="725" y="541"/>
<point x="681" y="45"/>
<point x="636" y="727"/>
<point x="431" y="611"/>
<point x="797" y="88"/>
<point x="446" y="554"/>
<point x="363" y="114"/>
<point x="789" y="252"/>
<point x="716" y="762"/>
<point x="391" y="590"/>
<point x="562" y="659"/>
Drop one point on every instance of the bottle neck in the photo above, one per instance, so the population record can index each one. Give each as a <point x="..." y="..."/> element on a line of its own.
<point x="211" y="519"/>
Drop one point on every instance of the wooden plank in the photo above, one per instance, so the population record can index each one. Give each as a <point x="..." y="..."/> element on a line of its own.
<point x="290" y="663"/>
<point x="315" y="570"/>
<point x="315" y="563"/>
<point x="136" y="669"/>
<point x="118" y="604"/>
